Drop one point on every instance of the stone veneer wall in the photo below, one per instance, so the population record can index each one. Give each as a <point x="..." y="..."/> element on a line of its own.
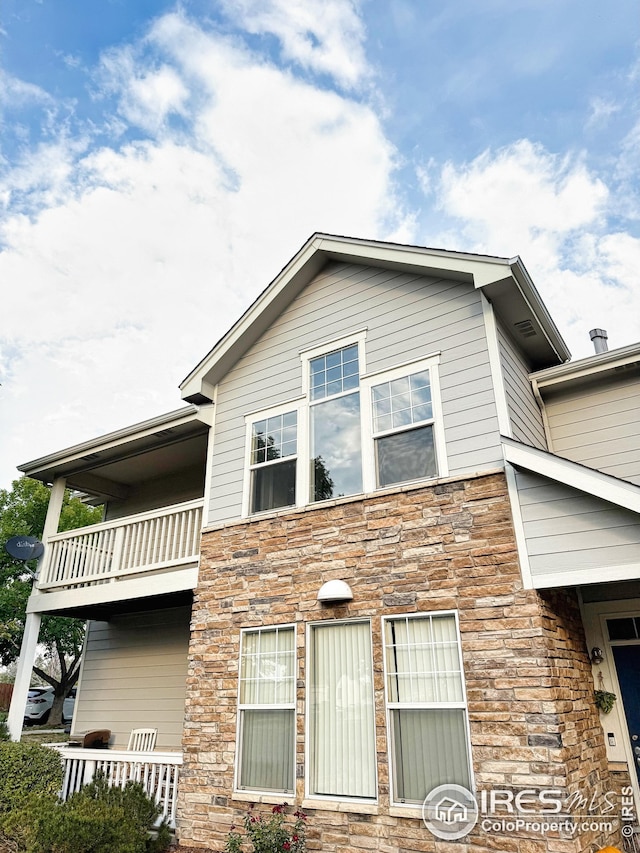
<point x="443" y="547"/>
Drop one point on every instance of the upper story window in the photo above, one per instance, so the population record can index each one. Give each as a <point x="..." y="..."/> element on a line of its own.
<point x="403" y="429"/>
<point x="334" y="424"/>
<point x="274" y="447"/>
<point x="351" y="432"/>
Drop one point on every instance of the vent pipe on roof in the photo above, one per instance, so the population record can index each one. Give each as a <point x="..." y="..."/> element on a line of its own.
<point x="599" y="338"/>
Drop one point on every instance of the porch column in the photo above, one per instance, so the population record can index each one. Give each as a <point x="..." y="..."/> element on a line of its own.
<point x="32" y="621"/>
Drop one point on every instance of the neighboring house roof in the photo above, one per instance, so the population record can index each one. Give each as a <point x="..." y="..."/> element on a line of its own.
<point x="104" y="466"/>
<point x="504" y="281"/>
<point x="592" y="367"/>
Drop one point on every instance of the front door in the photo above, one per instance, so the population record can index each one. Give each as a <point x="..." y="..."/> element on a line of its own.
<point x="627" y="660"/>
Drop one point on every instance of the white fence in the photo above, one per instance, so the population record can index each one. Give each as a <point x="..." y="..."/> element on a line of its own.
<point x="157" y="771"/>
<point x="104" y="552"/>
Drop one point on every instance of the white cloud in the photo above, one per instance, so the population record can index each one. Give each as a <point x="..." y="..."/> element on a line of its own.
<point x="138" y="259"/>
<point x="324" y="36"/>
<point x="16" y="92"/>
<point x="553" y="212"/>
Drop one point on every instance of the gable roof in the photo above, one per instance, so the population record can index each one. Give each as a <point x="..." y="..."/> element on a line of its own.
<point x="504" y="281"/>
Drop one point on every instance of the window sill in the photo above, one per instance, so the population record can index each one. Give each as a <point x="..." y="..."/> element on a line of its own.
<point x="406" y="811"/>
<point x="255" y="797"/>
<point x="362" y="496"/>
<point x="340" y="806"/>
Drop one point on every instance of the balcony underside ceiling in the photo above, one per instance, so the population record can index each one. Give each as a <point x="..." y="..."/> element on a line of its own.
<point x="107" y="468"/>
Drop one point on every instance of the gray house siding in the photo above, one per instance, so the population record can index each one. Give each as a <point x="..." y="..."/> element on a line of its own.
<point x="524" y="413"/>
<point x="567" y="530"/>
<point x="407" y="317"/>
<point x="599" y="426"/>
<point x="186" y="485"/>
<point x="134" y="671"/>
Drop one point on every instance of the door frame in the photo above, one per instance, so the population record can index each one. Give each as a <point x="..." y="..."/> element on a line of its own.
<point x="595" y="617"/>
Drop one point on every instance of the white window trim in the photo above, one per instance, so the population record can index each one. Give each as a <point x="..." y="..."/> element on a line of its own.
<point x="307" y="355"/>
<point x="391" y="706"/>
<point x="367" y="383"/>
<point x="308" y="795"/>
<point x="281" y="706"/>
<point x="299" y="406"/>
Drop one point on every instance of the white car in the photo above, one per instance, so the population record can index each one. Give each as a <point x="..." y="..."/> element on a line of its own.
<point x="39" y="703"/>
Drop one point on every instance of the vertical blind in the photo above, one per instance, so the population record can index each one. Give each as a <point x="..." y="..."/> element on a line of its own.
<point x="267" y="710"/>
<point x="429" y="743"/>
<point x="341" y="714"/>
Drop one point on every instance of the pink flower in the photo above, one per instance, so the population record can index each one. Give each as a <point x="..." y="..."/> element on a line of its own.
<point x="286" y="846"/>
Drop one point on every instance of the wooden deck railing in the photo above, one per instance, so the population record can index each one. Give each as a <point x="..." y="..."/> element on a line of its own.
<point x="102" y="553"/>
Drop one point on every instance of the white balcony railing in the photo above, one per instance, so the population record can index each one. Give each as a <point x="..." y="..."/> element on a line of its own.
<point x="156" y="771"/>
<point x="103" y="553"/>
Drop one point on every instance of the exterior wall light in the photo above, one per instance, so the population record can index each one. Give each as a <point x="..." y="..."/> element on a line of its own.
<point x="596" y="655"/>
<point x="334" y="592"/>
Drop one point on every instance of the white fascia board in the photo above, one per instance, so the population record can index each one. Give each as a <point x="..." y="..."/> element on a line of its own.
<point x="584" y="577"/>
<point x="176" y="580"/>
<point x="122" y="436"/>
<point x="587" y="480"/>
<point x="584" y="367"/>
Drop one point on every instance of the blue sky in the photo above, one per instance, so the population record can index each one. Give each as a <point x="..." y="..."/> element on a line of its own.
<point x="160" y="162"/>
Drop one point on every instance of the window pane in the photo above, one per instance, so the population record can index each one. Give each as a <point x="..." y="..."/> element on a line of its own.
<point x="267" y="744"/>
<point x="342" y="712"/>
<point x="268" y="437"/>
<point x="409" y="400"/>
<point x="334" y="373"/>
<point x="423" y="664"/>
<point x="622" y="629"/>
<point x="273" y="486"/>
<point x="429" y="749"/>
<point x="405" y="456"/>
<point x="336" y="464"/>
<point x="267" y="667"/>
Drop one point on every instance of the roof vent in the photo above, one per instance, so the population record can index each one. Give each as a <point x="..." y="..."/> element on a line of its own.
<point x="90" y="457"/>
<point x="599" y="338"/>
<point x="526" y="329"/>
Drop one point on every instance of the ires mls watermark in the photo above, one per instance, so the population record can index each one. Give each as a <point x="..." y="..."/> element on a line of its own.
<point x="451" y="811"/>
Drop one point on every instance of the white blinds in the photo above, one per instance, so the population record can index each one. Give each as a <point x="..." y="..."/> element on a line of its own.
<point x="267" y="710"/>
<point x="341" y="714"/>
<point x="425" y="695"/>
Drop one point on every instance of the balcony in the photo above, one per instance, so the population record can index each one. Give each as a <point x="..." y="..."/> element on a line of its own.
<point x="115" y="560"/>
<point x="156" y="771"/>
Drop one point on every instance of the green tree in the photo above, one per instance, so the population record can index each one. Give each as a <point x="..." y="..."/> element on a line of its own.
<point x="22" y="513"/>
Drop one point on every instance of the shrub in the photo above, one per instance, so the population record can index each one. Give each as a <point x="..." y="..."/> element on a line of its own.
<point x="270" y="834"/>
<point x="27" y="769"/>
<point x="98" y="819"/>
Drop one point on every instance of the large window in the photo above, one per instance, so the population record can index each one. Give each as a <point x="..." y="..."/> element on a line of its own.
<point x="428" y="731"/>
<point x="273" y="461"/>
<point x="335" y="430"/>
<point x="341" y="713"/>
<point x="266" y="704"/>
<point x="350" y="432"/>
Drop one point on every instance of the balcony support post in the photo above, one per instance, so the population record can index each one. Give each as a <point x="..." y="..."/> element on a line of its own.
<point x="32" y="622"/>
<point x="23" y="674"/>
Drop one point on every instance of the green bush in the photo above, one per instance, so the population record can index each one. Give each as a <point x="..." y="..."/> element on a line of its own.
<point x="27" y="769"/>
<point x="98" y="819"/>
